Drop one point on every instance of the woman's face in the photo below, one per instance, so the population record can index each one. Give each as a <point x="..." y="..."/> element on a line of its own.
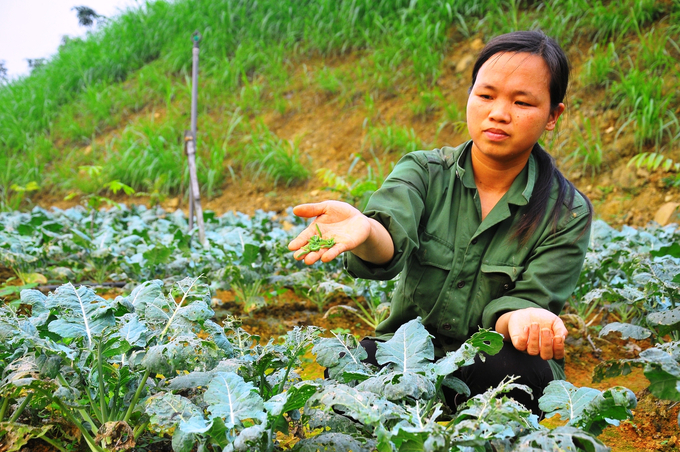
<point x="509" y="107"/>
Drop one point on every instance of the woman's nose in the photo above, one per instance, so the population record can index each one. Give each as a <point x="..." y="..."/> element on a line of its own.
<point x="500" y="111"/>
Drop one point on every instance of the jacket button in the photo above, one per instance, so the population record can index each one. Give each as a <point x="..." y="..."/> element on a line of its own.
<point x="506" y="286"/>
<point x="474" y="241"/>
<point x="447" y="326"/>
<point x="461" y="284"/>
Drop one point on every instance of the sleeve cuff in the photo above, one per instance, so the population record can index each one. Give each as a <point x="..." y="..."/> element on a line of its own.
<point x="359" y="268"/>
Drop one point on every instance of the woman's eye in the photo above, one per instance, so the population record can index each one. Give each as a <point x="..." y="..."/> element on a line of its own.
<point x="523" y="104"/>
<point x="485" y="96"/>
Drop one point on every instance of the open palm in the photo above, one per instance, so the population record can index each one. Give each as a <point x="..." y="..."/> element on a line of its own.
<point x="338" y="220"/>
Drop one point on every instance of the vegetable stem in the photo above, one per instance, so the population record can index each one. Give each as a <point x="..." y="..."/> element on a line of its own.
<point x="139" y="429"/>
<point x="138" y="393"/>
<point x="54" y="444"/>
<point x="86" y="417"/>
<point x="430" y="402"/>
<point x="93" y="406"/>
<point x="88" y="438"/>
<point x="3" y="410"/>
<point x="19" y="410"/>
<point x="102" y="396"/>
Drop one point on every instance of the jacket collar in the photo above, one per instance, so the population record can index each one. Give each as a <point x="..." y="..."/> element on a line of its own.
<point x="521" y="189"/>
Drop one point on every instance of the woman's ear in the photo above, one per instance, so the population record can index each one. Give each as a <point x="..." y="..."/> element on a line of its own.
<point x="554" y="116"/>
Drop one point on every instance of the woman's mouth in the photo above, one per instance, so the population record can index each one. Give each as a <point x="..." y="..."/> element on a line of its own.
<point x="495" y="134"/>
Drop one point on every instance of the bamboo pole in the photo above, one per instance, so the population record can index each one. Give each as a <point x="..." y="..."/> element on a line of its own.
<point x="190" y="142"/>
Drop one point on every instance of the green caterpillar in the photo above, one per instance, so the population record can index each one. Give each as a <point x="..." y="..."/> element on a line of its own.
<point x="316" y="243"/>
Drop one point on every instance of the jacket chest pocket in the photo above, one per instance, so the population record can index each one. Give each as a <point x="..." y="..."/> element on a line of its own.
<point x="427" y="273"/>
<point x="496" y="280"/>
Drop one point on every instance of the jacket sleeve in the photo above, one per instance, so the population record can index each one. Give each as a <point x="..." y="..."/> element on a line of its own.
<point x="398" y="205"/>
<point x="551" y="274"/>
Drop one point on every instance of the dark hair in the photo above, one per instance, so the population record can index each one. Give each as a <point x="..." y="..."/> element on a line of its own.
<point x="537" y="43"/>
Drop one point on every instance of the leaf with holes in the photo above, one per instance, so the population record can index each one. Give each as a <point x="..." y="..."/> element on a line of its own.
<point x="341" y="355"/>
<point x="409" y="350"/>
<point x="234" y="400"/>
<point x="166" y="410"/>
<point x="626" y="330"/>
<point x="563" y="438"/>
<point x="485" y="341"/>
<point x="663" y="373"/>
<point x="80" y="313"/>
<point x="587" y="408"/>
<point x="186" y="352"/>
<point x="669" y="318"/>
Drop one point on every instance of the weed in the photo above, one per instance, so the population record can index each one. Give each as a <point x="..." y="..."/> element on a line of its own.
<point x="250" y="96"/>
<point x="393" y="138"/>
<point x="249" y="293"/>
<point x="426" y="103"/>
<point x="374" y="305"/>
<point x="454" y="118"/>
<point x="589" y="149"/>
<point x="653" y="161"/>
<point x="646" y="107"/>
<point x="141" y="60"/>
<point x="11" y="194"/>
<point x="355" y="189"/>
<point x="329" y="82"/>
<point x="600" y="68"/>
<point x="276" y="159"/>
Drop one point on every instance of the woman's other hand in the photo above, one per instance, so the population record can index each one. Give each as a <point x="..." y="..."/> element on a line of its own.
<point x="534" y="330"/>
<point x="351" y="230"/>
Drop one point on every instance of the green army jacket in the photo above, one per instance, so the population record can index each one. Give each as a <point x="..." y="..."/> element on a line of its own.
<point x="459" y="273"/>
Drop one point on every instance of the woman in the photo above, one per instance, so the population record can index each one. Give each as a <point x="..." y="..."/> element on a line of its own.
<point x="487" y="234"/>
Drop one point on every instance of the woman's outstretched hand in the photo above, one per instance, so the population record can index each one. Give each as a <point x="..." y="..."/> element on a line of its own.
<point x="351" y="230"/>
<point x="534" y="330"/>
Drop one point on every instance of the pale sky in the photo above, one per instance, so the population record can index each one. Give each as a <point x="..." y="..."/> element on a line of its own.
<point x="34" y="28"/>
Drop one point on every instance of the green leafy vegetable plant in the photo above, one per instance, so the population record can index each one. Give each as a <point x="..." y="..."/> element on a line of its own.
<point x="154" y="363"/>
<point x="91" y="359"/>
<point x="375" y="306"/>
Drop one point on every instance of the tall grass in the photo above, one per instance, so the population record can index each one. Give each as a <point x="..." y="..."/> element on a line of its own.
<point x="265" y="155"/>
<point x="238" y="38"/>
<point x="393" y="139"/>
<point x="140" y="61"/>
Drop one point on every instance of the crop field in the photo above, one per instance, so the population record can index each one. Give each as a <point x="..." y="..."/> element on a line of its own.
<point x="170" y="353"/>
<point x="120" y="331"/>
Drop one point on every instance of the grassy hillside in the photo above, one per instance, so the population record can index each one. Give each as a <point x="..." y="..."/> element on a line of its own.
<point x="379" y="78"/>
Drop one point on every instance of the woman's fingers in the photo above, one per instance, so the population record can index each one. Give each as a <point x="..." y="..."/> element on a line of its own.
<point x="519" y="341"/>
<point x="538" y="332"/>
<point x="306" y="211"/>
<point x="558" y="347"/>
<point x="533" y="343"/>
<point x="324" y="254"/>
<point x="333" y="252"/>
<point x="546" y="343"/>
<point x="559" y="329"/>
<point x="301" y="240"/>
<point x="310" y="210"/>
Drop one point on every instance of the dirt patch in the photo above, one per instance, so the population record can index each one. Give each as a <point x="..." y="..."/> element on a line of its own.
<point x="654" y="426"/>
<point x="287" y="311"/>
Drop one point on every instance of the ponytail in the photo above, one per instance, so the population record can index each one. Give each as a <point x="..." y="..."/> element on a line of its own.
<point x="538" y="204"/>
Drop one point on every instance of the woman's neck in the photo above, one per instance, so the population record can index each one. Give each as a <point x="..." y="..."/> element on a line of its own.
<point x="494" y="179"/>
<point x="492" y="176"/>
